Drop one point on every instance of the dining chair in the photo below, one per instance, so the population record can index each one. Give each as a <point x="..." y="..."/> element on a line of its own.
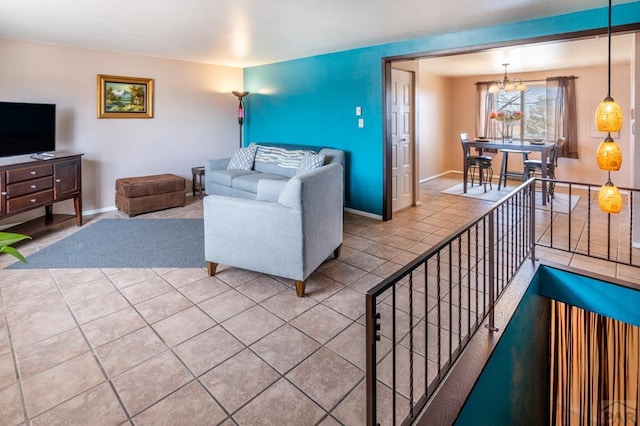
<point x="482" y="163"/>
<point x="532" y="167"/>
<point x="504" y="166"/>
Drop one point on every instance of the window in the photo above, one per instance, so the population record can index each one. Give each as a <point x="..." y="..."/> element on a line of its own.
<point x="534" y="104"/>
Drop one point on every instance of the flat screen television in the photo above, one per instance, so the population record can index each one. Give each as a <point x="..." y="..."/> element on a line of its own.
<point x="27" y="128"/>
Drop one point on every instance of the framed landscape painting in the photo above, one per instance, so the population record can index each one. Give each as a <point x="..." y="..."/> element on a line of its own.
<point x="124" y="97"/>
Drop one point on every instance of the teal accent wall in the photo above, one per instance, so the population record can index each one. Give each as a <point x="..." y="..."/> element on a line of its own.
<point x="513" y="388"/>
<point x="611" y="300"/>
<point x="312" y="100"/>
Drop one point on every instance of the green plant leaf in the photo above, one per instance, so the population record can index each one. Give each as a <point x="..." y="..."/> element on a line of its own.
<point x="8" y="238"/>
<point x="13" y="252"/>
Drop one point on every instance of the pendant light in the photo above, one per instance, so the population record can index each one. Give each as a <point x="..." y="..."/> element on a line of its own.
<point x="609" y="113"/>
<point x="609" y="156"/>
<point x="609" y="198"/>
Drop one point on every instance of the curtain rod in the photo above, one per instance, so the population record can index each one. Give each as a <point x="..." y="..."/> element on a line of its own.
<point x="568" y="77"/>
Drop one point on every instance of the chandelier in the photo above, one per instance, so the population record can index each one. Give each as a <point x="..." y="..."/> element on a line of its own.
<point x="507" y="84"/>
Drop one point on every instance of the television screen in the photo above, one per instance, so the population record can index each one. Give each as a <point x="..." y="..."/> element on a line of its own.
<point x="27" y="128"/>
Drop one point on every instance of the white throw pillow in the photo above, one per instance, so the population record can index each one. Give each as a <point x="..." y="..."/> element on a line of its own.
<point x="310" y="161"/>
<point x="243" y="158"/>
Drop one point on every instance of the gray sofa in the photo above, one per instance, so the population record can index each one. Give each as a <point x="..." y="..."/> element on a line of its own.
<point x="274" y="165"/>
<point x="274" y="223"/>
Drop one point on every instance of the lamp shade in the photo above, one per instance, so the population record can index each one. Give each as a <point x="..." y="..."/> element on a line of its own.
<point x="609" y="116"/>
<point x="609" y="198"/>
<point x="609" y="155"/>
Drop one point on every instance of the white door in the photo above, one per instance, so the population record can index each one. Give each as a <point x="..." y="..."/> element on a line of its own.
<point x="401" y="139"/>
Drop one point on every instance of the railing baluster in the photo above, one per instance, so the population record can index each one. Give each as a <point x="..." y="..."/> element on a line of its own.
<point x="570" y="212"/>
<point x="492" y="282"/>
<point x="459" y="291"/>
<point x="411" y="345"/>
<point x="631" y="228"/>
<point x="589" y="221"/>
<point x="372" y="336"/>
<point x="438" y="311"/>
<point x="394" y="360"/>
<point x="450" y="250"/>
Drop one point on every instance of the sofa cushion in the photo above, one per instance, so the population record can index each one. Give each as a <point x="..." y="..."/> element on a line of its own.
<point x="225" y="177"/>
<point x="276" y="160"/>
<point x="243" y="158"/>
<point x="249" y="182"/>
<point x="310" y="161"/>
<point x="269" y="189"/>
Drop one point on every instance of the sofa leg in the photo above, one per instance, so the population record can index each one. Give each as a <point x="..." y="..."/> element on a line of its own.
<point x="211" y="268"/>
<point x="299" y="288"/>
<point x="336" y="252"/>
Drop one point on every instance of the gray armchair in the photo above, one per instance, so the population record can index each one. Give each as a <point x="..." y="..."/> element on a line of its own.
<point x="288" y="231"/>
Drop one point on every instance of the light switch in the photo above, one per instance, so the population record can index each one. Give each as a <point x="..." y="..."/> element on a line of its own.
<point x="361" y="122"/>
<point x="358" y="110"/>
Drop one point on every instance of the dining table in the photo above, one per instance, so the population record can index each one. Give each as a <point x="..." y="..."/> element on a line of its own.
<point x="515" y="144"/>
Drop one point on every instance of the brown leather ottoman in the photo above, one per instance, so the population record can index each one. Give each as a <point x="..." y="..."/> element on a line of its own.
<point x="143" y="194"/>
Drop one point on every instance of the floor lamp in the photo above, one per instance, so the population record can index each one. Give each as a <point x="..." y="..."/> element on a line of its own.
<point x="240" y="96"/>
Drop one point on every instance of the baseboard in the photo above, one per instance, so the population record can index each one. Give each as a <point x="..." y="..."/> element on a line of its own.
<point x="112" y="208"/>
<point x="96" y="211"/>
<point x="361" y="213"/>
<point x="427" y="179"/>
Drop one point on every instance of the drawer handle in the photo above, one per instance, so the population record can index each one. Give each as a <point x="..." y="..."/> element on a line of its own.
<point x="57" y="180"/>
<point x="32" y="172"/>
<point x="3" y="193"/>
<point x="33" y="200"/>
<point x="33" y="187"/>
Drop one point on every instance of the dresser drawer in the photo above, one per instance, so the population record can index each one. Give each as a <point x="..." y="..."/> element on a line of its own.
<point x="29" y="186"/>
<point x="30" y="201"/>
<point x="30" y="172"/>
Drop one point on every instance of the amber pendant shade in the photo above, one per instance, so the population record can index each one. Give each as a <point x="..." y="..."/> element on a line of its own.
<point x="609" y="155"/>
<point x="609" y="198"/>
<point x="609" y="116"/>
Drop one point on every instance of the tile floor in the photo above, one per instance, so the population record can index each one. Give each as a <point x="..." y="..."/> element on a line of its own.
<point x="174" y="346"/>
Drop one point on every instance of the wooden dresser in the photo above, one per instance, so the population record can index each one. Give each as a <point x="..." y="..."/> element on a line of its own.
<point x="27" y="183"/>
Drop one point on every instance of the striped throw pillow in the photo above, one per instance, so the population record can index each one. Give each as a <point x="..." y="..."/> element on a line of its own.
<point x="281" y="157"/>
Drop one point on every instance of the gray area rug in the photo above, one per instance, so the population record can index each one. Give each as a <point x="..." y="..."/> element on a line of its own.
<point x="561" y="202"/>
<point x="125" y="243"/>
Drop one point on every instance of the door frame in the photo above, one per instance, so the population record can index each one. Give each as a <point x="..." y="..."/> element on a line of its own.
<point x="387" y="208"/>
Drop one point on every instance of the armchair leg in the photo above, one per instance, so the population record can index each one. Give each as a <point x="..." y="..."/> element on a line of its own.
<point x="336" y="252"/>
<point x="299" y="288"/>
<point x="211" y="268"/>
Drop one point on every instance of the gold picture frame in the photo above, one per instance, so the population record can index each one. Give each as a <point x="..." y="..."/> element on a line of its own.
<point x="124" y="97"/>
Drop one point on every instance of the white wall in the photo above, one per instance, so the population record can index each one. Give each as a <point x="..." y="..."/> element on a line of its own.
<point x="194" y="113"/>
<point x="432" y="123"/>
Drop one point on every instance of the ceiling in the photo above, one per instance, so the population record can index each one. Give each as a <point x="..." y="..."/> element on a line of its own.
<point x="535" y="57"/>
<point x="245" y="33"/>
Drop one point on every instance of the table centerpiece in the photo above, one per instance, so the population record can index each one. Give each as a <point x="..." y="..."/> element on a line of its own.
<point x="506" y="119"/>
